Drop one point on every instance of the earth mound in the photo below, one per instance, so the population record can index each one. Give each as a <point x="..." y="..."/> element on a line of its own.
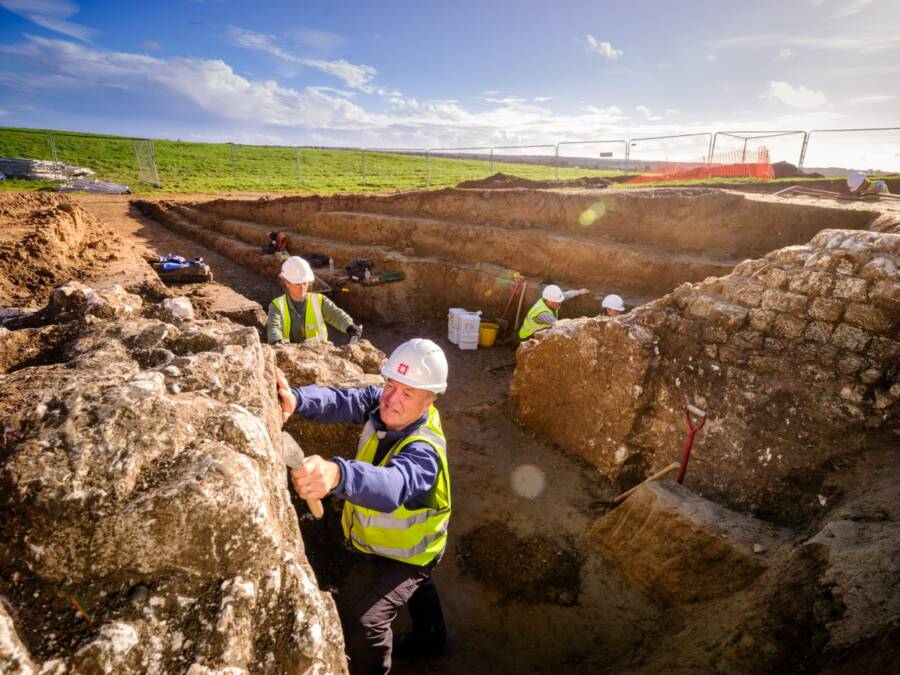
<point x="500" y="181"/>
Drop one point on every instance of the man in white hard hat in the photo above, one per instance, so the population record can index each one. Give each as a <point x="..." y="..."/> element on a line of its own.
<point x="859" y="184"/>
<point x="301" y="315"/>
<point x="612" y="305"/>
<point x="545" y="312"/>
<point x="397" y="497"/>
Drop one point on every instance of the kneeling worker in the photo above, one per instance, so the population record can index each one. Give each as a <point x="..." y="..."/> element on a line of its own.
<point x="860" y="184"/>
<point x="300" y="315"/>
<point x="397" y="494"/>
<point x="545" y="312"/>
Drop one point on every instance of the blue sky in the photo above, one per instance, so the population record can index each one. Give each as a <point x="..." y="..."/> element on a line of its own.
<point x="428" y="74"/>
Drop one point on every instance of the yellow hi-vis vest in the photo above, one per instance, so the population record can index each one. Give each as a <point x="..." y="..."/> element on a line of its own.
<point x="314" y="326"/>
<point x="530" y="326"/>
<point x="413" y="536"/>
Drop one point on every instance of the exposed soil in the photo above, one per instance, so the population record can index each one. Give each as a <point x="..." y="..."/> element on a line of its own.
<point x="522" y="588"/>
<point x="502" y="180"/>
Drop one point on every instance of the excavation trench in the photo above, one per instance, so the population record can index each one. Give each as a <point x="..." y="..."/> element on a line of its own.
<point x="540" y="575"/>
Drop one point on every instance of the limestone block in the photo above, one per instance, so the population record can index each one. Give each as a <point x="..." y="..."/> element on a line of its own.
<point x="848" y="337"/>
<point x="818" y="331"/>
<point x="177" y="309"/>
<point x="826" y="309"/>
<point x="761" y="319"/>
<point x="811" y="282"/>
<point x="788" y="326"/>
<point x="850" y="288"/>
<point x="779" y="301"/>
<point x="869" y="318"/>
<point x="680" y="547"/>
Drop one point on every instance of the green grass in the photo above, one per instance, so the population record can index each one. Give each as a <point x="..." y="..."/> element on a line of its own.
<point x="219" y="167"/>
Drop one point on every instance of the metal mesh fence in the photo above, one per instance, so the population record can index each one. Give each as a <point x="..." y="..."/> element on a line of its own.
<point x="600" y="156"/>
<point x="179" y="166"/>
<point x="833" y="151"/>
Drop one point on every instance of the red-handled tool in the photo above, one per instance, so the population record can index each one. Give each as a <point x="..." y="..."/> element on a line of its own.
<point x="689" y="440"/>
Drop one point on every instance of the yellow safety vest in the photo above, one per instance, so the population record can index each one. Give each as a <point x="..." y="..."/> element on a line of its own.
<point x="314" y="326"/>
<point x="530" y="325"/>
<point x="413" y="536"/>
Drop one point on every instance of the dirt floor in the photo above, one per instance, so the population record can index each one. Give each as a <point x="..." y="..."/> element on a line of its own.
<point x="519" y="592"/>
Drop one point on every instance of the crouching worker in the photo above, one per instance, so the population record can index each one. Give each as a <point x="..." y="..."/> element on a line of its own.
<point x="397" y="494"/>
<point x="613" y="305"/>
<point x="545" y="312"/>
<point x="860" y="184"/>
<point x="301" y="315"/>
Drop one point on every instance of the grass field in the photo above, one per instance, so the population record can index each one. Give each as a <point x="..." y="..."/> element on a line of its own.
<point x="217" y="167"/>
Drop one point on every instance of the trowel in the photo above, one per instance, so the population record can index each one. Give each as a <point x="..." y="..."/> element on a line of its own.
<point x="293" y="457"/>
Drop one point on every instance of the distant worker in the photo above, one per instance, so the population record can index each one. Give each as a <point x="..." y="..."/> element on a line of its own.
<point x="397" y="498"/>
<point x="613" y="305"/>
<point x="860" y="185"/>
<point x="545" y="312"/>
<point x="300" y="315"/>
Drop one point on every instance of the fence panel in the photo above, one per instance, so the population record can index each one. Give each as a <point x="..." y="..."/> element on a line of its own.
<point x="658" y="154"/>
<point x="402" y="169"/>
<point x="782" y="146"/>
<point x="576" y="158"/>
<point x="330" y="169"/>
<point x="537" y="162"/>
<point x="26" y="144"/>
<point x="445" y="167"/>
<point x="194" y="167"/>
<point x="836" y="152"/>
<point x="265" y="167"/>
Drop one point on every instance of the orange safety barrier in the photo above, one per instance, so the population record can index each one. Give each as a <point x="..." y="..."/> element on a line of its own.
<point x="726" y="165"/>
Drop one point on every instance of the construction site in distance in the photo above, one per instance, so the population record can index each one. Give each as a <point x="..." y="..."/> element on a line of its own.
<point x="705" y="482"/>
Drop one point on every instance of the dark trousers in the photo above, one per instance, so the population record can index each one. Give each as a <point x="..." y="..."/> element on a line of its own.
<point x="368" y="627"/>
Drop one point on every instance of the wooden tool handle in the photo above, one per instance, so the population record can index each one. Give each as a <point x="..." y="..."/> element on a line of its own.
<point x="315" y="507"/>
<point x="656" y="476"/>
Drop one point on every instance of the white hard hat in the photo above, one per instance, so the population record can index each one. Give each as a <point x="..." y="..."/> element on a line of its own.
<point x="855" y="180"/>
<point x="553" y="293"/>
<point x="296" y="270"/>
<point x="419" y="363"/>
<point x="613" y="301"/>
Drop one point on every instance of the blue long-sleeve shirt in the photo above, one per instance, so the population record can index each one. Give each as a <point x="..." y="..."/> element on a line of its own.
<point x="407" y="478"/>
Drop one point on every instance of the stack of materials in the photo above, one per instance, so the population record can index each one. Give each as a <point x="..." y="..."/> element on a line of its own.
<point x="38" y="169"/>
<point x="462" y="327"/>
<point x="93" y="185"/>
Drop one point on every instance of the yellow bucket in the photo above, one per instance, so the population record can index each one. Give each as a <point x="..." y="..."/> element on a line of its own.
<point x="487" y="333"/>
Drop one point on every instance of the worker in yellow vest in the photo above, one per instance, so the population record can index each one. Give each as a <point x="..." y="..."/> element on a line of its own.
<point x="301" y="315"/>
<point x="860" y="184"/>
<point x="397" y="497"/>
<point x="545" y="312"/>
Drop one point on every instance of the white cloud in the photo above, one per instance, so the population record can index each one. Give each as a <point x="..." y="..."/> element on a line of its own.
<point x="710" y="58"/>
<point x="874" y="98"/>
<point x="857" y="41"/>
<point x="665" y="65"/>
<point x="647" y="113"/>
<point x="151" y="46"/>
<point x="785" y="53"/>
<point x="210" y="85"/>
<point x="52" y="15"/>
<point x="542" y="99"/>
<point x="3" y="112"/>
<point x="316" y="39"/>
<point x="357" y="76"/>
<point x="605" y="49"/>
<point x="795" y="97"/>
<point x="671" y="111"/>
<point x="610" y="110"/>
<point x="850" y="7"/>
<point x="509" y="100"/>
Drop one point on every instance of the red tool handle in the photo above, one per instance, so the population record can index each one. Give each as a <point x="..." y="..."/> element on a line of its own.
<point x="689" y="442"/>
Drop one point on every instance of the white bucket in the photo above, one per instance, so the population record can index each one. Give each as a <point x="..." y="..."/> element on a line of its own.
<point x="468" y="344"/>
<point x="469" y="324"/>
